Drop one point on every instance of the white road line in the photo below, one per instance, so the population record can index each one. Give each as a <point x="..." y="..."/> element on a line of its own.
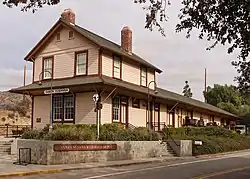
<point x="165" y="166"/>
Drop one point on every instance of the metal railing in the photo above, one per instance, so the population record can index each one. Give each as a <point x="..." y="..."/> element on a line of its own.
<point x="168" y="135"/>
<point x="129" y="126"/>
<point x="13" y="130"/>
<point x="158" y="126"/>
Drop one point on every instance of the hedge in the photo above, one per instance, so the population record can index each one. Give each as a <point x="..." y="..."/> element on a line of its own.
<point x="214" y="139"/>
<point x="203" y="131"/>
<point x="84" y="132"/>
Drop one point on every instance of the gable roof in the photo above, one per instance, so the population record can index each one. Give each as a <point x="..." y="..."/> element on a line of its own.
<point x="98" y="40"/>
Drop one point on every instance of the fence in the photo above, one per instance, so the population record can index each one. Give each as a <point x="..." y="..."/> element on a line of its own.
<point x="13" y="130"/>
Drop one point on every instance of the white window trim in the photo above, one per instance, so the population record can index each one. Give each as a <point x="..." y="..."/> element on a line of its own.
<point x="47" y="75"/>
<point x="118" y="60"/>
<point x="143" y="69"/>
<point x="86" y="63"/>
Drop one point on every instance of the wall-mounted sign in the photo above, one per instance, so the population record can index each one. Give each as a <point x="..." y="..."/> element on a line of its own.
<point x="84" y="147"/>
<point x="56" y="91"/>
<point x="38" y="120"/>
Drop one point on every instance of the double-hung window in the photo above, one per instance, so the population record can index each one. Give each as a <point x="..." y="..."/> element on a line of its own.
<point x="81" y="63"/>
<point x="63" y="108"/>
<point x="143" y="76"/>
<point x="116" y="109"/>
<point x="117" y="67"/>
<point x="47" y="68"/>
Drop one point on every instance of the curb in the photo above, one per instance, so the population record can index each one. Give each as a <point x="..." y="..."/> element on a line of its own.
<point x="221" y="154"/>
<point x="30" y="173"/>
<point x="75" y="168"/>
<point x="209" y="156"/>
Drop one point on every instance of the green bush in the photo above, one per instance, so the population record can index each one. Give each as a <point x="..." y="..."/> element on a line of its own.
<point x="215" y="139"/>
<point x="108" y="132"/>
<point x="200" y="131"/>
<point x="70" y="133"/>
<point x="31" y="134"/>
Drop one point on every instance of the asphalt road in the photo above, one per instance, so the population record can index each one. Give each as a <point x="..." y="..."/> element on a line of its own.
<point x="229" y="168"/>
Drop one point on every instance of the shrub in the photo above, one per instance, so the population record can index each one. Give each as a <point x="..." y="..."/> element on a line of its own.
<point x="108" y="132"/>
<point x="11" y="115"/>
<point x="118" y="133"/>
<point x="3" y="119"/>
<point x="31" y="134"/>
<point x="22" y="107"/>
<point x="200" y="131"/>
<point x="70" y="133"/>
<point x="215" y="140"/>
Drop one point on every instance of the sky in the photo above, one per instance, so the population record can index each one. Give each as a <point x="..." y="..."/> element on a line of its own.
<point x="179" y="58"/>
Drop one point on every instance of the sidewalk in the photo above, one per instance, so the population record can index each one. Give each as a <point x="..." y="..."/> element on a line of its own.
<point x="7" y="168"/>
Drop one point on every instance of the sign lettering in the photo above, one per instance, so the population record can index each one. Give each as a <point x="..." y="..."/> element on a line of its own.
<point x="84" y="147"/>
<point x="56" y="91"/>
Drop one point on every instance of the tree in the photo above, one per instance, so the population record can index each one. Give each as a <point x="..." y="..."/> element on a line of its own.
<point x="223" y="94"/>
<point x="228" y="98"/>
<point x="222" y="21"/>
<point x="187" y="90"/>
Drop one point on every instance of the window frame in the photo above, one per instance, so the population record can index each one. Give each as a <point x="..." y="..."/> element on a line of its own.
<point x="117" y="108"/>
<point x="120" y="67"/>
<point x="146" y="77"/>
<point x="43" y="69"/>
<point x="136" y="103"/>
<point x="76" y="63"/>
<point x="58" y="35"/>
<point x="73" y="34"/>
<point x="63" y="109"/>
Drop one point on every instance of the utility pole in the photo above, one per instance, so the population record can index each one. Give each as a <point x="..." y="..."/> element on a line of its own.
<point x="205" y="86"/>
<point x="24" y="78"/>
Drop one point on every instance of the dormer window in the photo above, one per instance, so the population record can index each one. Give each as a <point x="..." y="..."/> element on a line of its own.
<point x="71" y="34"/>
<point x="58" y="37"/>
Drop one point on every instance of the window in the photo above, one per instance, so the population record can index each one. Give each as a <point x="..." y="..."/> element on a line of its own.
<point x="68" y="108"/>
<point x="81" y="63"/>
<point x="48" y="68"/>
<point x="135" y="103"/>
<point x="57" y="108"/>
<point x="58" y="37"/>
<point x="116" y="108"/>
<point x="71" y="34"/>
<point x="143" y="76"/>
<point x="117" y="67"/>
<point x="63" y="108"/>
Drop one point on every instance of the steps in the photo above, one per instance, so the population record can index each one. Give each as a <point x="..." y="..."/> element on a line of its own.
<point x="5" y="147"/>
<point x="170" y="150"/>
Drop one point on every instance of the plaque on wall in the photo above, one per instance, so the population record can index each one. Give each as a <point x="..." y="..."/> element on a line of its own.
<point x="38" y="120"/>
<point x="84" y="147"/>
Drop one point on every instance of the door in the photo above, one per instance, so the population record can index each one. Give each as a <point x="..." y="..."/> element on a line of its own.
<point x="156" y="123"/>
<point x="124" y="111"/>
<point x="123" y="114"/>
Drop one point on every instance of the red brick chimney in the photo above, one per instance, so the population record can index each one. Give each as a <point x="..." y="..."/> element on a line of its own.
<point x="69" y="15"/>
<point x="126" y="39"/>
